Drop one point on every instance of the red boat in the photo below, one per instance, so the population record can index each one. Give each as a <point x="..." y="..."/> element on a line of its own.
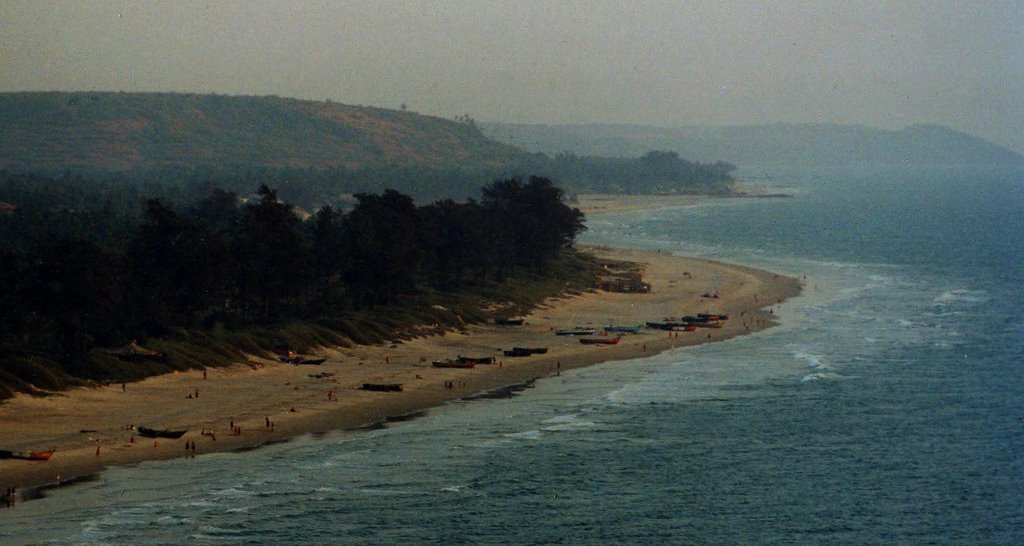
<point x="27" y="455"/>
<point x="599" y="340"/>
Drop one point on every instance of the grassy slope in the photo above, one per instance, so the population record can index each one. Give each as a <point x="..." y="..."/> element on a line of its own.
<point x="125" y="131"/>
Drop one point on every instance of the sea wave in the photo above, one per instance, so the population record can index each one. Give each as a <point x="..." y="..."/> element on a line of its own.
<point x="564" y="423"/>
<point x="533" y="434"/>
<point x="961" y="295"/>
<point x="823" y="376"/>
<point x="813" y="360"/>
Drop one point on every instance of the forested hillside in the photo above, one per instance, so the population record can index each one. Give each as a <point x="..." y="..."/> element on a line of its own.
<point x="762" y="145"/>
<point x="145" y="131"/>
<point x="313" y="153"/>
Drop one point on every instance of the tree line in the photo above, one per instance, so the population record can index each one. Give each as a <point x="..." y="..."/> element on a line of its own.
<point x="232" y="260"/>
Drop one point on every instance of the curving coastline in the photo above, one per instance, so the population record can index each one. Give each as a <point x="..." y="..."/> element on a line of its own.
<point x="250" y="393"/>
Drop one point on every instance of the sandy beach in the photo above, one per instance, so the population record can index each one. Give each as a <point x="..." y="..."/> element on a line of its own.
<point x="87" y="426"/>
<point x="606" y="203"/>
<point x="601" y="203"/>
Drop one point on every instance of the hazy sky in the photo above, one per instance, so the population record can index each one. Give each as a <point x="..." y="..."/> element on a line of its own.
<point x="884" y="64"/>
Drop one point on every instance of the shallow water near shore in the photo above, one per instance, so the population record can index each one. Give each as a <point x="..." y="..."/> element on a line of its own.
<point x="886" y="408"/>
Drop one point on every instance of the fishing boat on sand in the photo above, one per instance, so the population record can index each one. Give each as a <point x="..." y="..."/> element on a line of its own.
<point x="476" y="359"/>
<point x="525" y="351"/>
<point x="668" y="324"/>
<point x="453" y="364"/>
<point x="599" y="340"/>
<point x="623" y="329"/>
<point x="531" y="350"/>
<point x="161" y="433"/>
<point x="578" y="331"/>
<point x="517" y="352"/>
<point x="383" y="387"/>
<point x="508" y="321"/>
<point x="26" y="455"/>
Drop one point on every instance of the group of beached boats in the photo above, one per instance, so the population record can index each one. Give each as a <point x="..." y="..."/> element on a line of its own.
<point x="690" y="323"/>
<point x="687" y="323"/>
<point x="45" y="455"/>
<point x="587" y="336"/>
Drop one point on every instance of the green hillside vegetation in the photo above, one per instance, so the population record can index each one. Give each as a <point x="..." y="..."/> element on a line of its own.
<point x="144" y="131"/>
<point x="313" y="153"/>
<point x="763" y="145"/>
<point x="653" y="173"/>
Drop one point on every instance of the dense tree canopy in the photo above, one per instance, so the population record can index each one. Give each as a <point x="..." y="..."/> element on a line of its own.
<point x="221" y="259"/>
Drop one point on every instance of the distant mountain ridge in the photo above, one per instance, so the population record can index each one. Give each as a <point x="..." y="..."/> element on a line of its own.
<point x="757" y="145"/>
<point x="108" y="131"/>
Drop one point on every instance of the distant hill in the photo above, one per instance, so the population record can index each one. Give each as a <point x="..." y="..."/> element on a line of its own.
<point x="89" y="132"/>
<point x="762" y="145"/>
<point x="314" y="153"/>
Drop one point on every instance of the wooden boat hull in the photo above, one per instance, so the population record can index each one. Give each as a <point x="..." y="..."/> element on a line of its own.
<point x="517" y="352"/>
<point x="164" y="433"/>
<point x="576" y="332"/>
<point x="599" y="341"/>
<point x="475" y="359"/>
<point x="668" y="325"/>
<point x="532" y="350"/>
<point x="453" y="364"/>
<point x="383" y="387"/>
<point x="27" y="455"/>
<point x="622" y="329"/>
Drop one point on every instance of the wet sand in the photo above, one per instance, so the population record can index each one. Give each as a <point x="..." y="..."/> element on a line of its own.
<point x="257" y="389"/>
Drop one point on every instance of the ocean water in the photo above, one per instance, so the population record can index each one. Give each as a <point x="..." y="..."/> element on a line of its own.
<point x="887" y="408"/>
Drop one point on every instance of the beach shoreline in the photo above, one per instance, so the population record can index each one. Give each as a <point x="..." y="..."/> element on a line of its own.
<point x="593" y="204"/>
<point x="87" y="426"/>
